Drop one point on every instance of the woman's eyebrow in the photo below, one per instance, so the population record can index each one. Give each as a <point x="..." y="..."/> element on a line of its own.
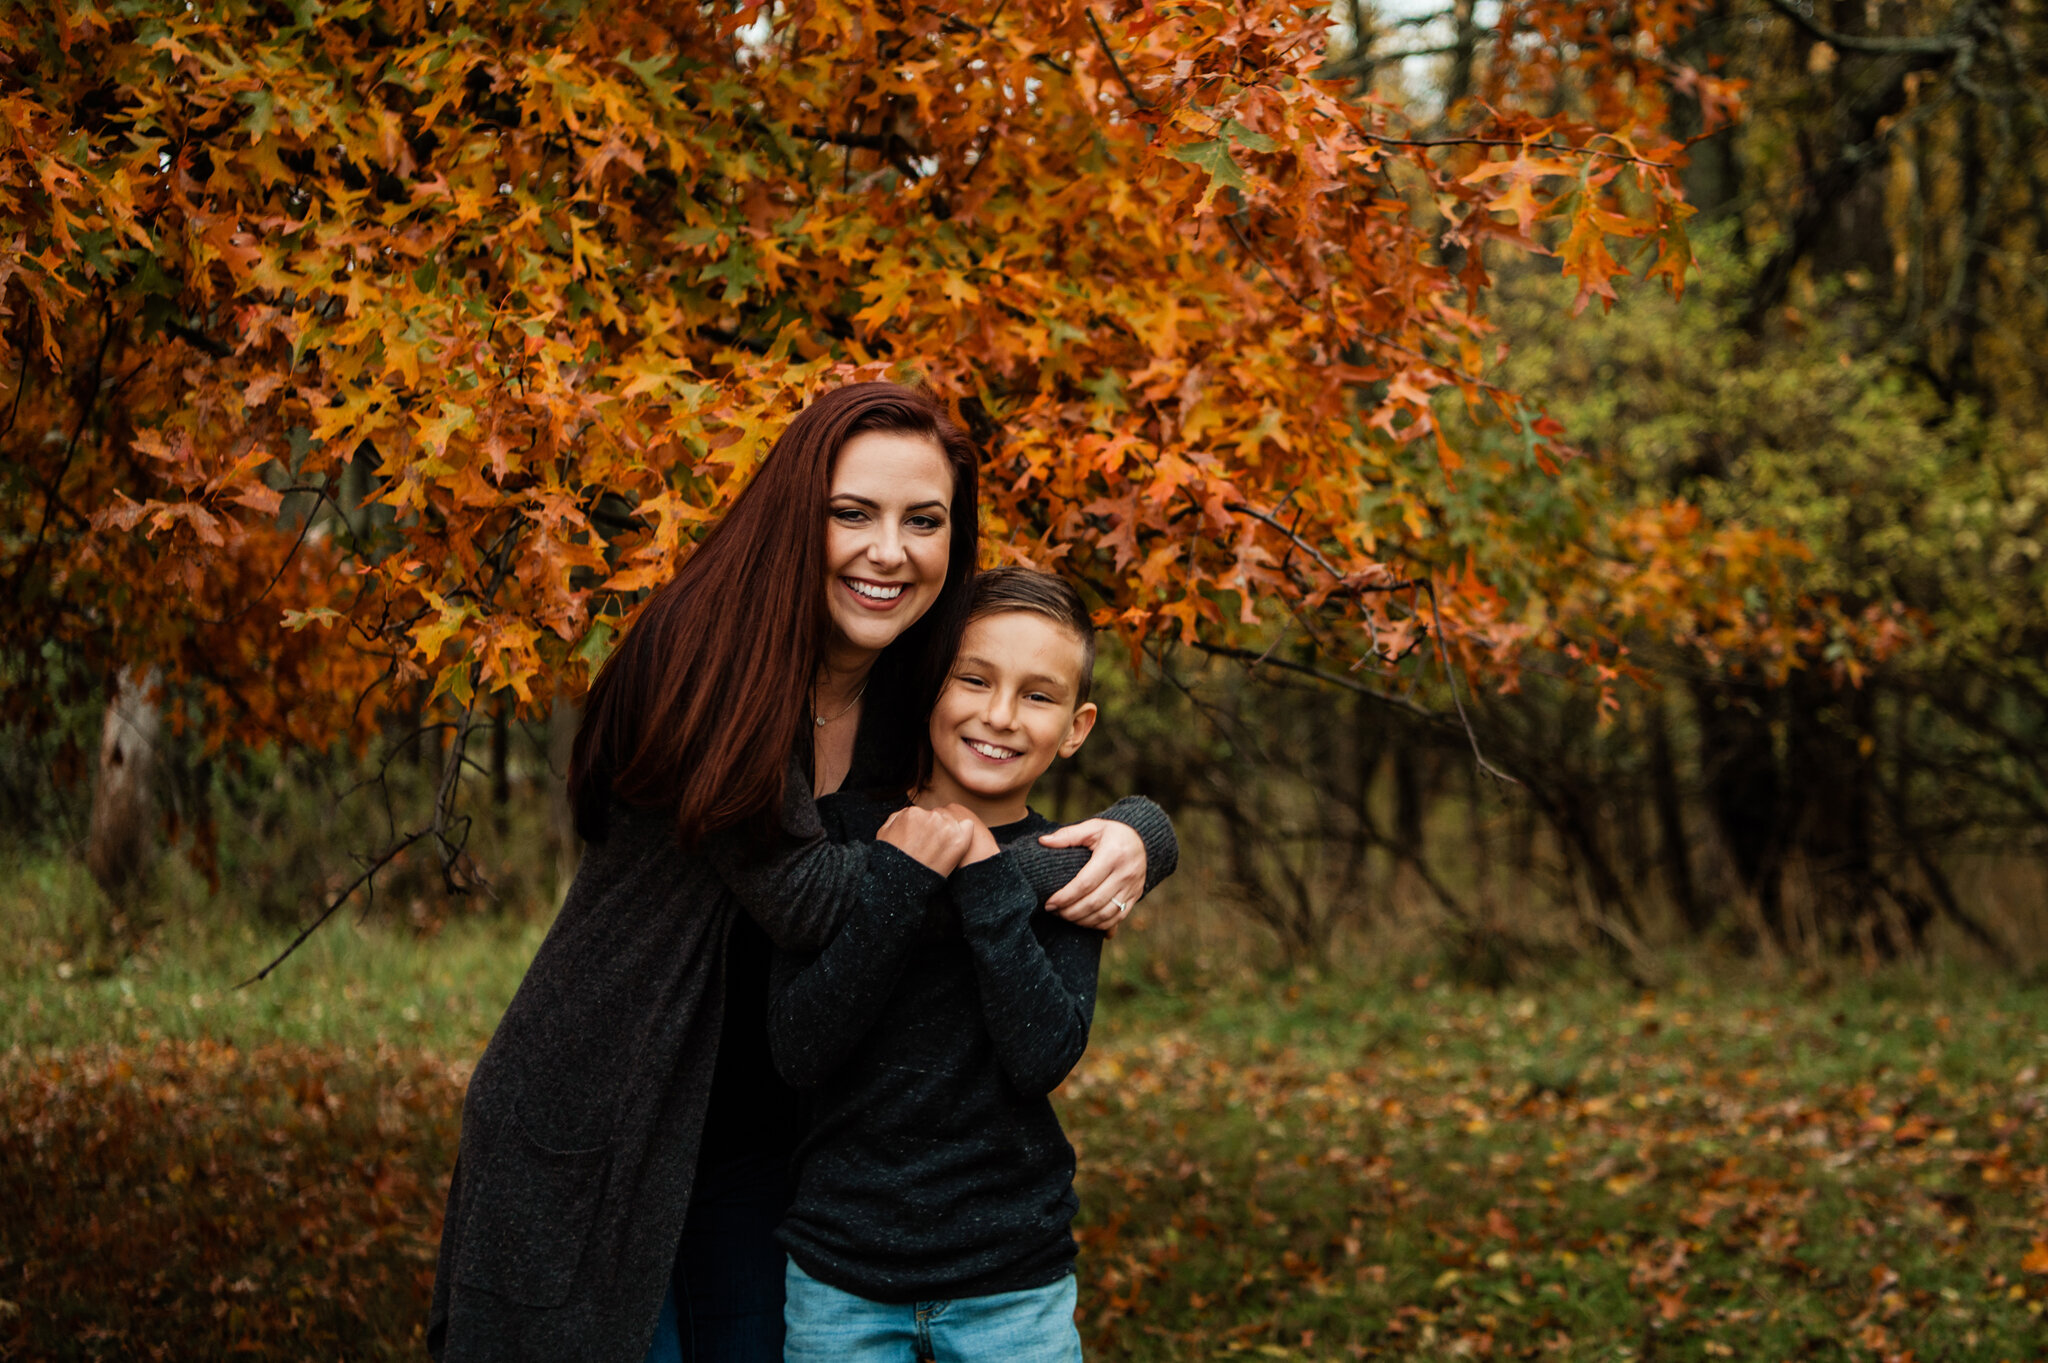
<point x="871" y="503"/>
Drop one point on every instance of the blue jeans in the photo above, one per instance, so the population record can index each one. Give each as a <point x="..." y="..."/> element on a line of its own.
<point x="724" y="1302"/>
<point x="827" y="1325"/>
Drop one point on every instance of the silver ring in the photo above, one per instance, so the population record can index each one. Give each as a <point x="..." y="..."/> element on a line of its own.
<point x="1122" y="909"/>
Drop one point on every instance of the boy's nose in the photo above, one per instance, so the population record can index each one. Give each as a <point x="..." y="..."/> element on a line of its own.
<point x="1002" y="710"/>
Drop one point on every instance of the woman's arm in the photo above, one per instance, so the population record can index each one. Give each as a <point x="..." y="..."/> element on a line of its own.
<point x="794" y="881"/>
<point x="820" y="1004"/>
<point x="1083" y="871"/>
<point x="1038" y="998"/>
<point x="799" y="885"/>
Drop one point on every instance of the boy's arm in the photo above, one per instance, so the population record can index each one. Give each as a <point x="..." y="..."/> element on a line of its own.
<point x="1050" y="868"/>
<point x="820" y="1004"/>
<point x="1037" y="998"/>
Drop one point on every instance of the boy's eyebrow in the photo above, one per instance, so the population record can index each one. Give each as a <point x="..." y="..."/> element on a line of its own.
<point x="971" y="660"/>
<point x="871" y="502"/>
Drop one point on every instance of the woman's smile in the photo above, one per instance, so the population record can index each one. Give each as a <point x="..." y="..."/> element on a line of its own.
<point x="875" y="595"/>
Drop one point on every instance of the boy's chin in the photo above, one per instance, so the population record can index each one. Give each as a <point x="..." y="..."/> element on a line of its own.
<point x="994" y="791"/>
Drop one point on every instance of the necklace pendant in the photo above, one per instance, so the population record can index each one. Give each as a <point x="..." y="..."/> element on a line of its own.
<point x="819" y="722"/>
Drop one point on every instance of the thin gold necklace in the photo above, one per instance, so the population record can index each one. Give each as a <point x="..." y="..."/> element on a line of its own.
<point x="822" y="721"/>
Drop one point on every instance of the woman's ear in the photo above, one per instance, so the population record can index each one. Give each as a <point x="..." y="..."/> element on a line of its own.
<point x="1078" y="729"/>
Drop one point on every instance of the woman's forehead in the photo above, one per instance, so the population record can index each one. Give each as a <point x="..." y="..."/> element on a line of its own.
<point x="891" y="466"/>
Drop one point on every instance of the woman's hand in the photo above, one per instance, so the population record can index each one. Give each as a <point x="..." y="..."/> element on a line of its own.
<point x="1101" y="894"/>
<point x="938" y="838"/>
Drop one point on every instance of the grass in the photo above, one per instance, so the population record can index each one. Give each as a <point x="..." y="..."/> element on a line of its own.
<point x="1365" y="1164"/>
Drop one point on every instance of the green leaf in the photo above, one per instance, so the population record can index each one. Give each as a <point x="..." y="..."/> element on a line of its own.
<point x="597" y="643"/>
<point x="649" y="71"/>
<point x="1245" y="137"/>
<point x="262" y="109"/>
<point x="1213" y="156"/>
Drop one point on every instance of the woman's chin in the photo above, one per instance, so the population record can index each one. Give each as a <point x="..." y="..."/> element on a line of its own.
<point x="870" y="633"/>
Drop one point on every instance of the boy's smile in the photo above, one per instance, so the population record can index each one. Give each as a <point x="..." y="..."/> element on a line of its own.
<point x="1007" y="710"/>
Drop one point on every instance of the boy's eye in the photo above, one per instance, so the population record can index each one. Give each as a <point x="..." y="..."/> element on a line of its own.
<point x="1039" y="696"/>
<point x="969" y="679"/>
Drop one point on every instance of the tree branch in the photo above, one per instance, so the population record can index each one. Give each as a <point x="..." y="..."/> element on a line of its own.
<point x="1851" y="42"/>
<point x="385" y="858"/>
<point x="1114" y="64"/>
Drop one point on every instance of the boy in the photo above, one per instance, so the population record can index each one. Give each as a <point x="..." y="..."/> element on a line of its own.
<point x="934" y="1191"/>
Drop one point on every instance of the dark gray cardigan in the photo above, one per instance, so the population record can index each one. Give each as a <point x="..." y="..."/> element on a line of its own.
<point x="581" y="1125"/>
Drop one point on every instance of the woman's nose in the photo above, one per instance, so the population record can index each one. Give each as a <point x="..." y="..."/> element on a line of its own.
<point x="885" y="550"/>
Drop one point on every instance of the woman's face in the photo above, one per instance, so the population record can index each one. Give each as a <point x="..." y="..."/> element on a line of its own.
<point x="888" y="532"/>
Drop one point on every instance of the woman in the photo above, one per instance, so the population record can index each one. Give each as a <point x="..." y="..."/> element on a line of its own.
<point x="625" y="1126"/>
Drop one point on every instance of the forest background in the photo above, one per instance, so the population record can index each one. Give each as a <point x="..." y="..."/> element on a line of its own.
<point x="1568" y="479"/>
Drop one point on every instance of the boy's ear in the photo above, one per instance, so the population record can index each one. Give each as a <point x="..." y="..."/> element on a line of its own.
<point x="1077" y="730"/>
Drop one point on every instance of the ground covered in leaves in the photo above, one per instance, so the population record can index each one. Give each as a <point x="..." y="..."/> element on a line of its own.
<point x="1313" y="1169"/>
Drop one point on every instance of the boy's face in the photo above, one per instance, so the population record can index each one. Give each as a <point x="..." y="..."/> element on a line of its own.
<point x="1009" y="706"/>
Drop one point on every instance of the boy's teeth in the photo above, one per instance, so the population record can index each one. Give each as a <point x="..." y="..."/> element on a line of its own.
<point x="990" y="750"/>
<point x="878" y="593"/>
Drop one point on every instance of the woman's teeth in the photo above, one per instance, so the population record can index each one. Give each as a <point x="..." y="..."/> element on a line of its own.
<point x="991" y="751"/>
<point x="875" y="591"/>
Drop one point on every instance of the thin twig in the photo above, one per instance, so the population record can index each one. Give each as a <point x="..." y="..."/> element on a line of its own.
<point x="275" y="578"/>
<point x="1850" y="42"/>
<point x="1114" y="64"/>
<point x="1408" y="707"/>
<point x="389" y="855"/>
<point x="1436" y="629"/>
<point x="1515" y="142"/>
<point x="1376" y="338"/>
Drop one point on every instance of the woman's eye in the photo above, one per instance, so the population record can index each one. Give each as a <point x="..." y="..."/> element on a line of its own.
<point x="926" y="523"/>
<point x="849" y="515"/>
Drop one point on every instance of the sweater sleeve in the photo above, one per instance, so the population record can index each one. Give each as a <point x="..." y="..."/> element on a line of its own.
<point x="1048" y="869"/>
<point x="795" y="882"/>
<point x="1038" y="998"/>
<point x="821" y="1004"/>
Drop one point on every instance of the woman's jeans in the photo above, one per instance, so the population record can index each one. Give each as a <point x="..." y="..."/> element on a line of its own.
<point x="827" y="1325"/>
<point x="724" y="1303"/>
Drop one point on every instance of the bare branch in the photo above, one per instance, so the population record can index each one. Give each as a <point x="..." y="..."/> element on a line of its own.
<point x="1407" y="707"/>
<point x="1114" y="64"/>
<point x="1516" y="143"/>
<point x="1851" y="42"/>
<point x="383" y="859"/>
<point x="1436" y="630"/>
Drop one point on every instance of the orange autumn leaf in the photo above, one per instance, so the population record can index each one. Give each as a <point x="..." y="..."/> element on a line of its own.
<point x="435" y="347"/>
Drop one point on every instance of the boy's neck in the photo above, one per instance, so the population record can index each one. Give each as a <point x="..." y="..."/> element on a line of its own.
<point x="993" y="812"/>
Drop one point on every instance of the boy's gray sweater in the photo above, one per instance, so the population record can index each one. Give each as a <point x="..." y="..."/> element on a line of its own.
<point x="929" y="1034"/>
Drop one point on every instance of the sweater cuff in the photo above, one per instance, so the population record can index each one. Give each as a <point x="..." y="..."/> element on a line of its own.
<point x="990" y="890"/>
<point x="1149" y="822"/>
<point x="902" y="878"/>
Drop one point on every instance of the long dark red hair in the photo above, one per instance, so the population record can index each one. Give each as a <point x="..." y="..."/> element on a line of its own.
<point x="702" y="704"/>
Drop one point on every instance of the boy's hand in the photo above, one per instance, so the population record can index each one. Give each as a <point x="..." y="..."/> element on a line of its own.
<point x="981" y="844"/>
<point x="1101" y="893"/>
<point x="938" y="838"/>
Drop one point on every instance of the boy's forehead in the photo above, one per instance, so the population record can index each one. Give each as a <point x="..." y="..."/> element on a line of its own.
<point x="1021" y="637"/>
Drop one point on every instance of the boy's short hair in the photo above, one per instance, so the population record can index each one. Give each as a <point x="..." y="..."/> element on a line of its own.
<point x="1027" y="589"/>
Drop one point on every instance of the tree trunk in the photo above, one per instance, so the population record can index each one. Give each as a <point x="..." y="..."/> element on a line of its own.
<point x="563" y="719"/>
<point x="121" y="840"/>
<point x="1674" y="853"/>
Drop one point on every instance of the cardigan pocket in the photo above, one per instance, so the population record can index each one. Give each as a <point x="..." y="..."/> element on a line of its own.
<point x="530" y="1217"/>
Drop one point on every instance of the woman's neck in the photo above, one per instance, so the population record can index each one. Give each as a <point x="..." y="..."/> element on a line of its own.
<point x="841" y="677"/>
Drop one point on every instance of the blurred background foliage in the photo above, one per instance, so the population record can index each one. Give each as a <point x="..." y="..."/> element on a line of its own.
<point x="1853" y="379"/>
